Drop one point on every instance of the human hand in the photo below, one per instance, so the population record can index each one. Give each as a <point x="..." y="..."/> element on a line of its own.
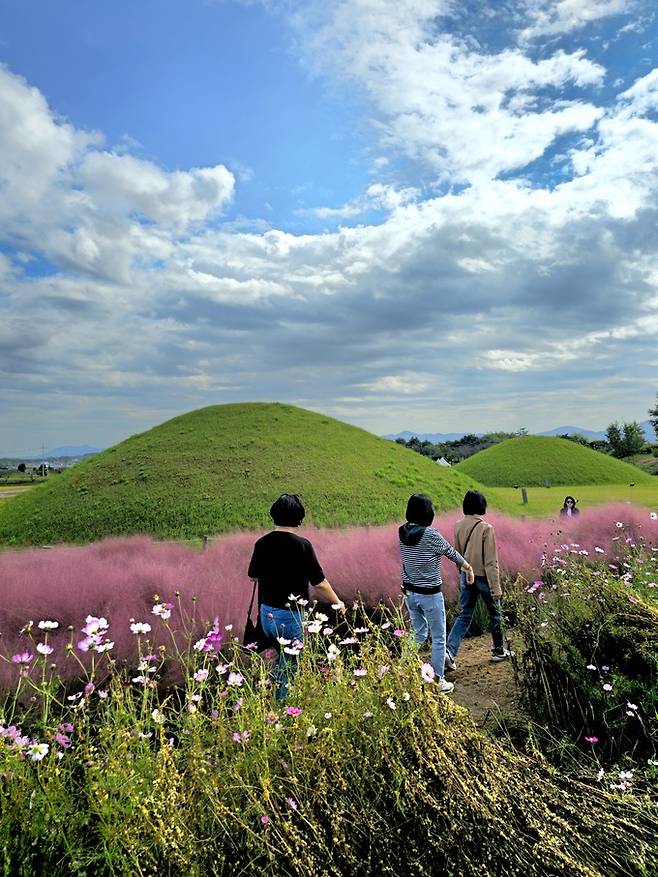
<point x="340" y="607"/>
<point x="470" y="574"/>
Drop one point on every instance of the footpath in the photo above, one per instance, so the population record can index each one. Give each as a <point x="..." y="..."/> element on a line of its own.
<point x="485" y="688"/>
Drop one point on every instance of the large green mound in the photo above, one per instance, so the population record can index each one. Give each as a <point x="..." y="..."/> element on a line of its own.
<point x="533" y="460"/>
<point x="219" y="469"/>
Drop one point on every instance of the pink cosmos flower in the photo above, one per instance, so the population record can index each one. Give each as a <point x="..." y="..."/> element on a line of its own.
<point x="293" y="711"/>
<point x="591" y="740"/>
<point x="607" y="686"/>
<point x="265" y="819"/>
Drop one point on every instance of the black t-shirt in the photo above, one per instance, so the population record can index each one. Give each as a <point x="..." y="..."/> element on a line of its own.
<point x="284" y="563"/>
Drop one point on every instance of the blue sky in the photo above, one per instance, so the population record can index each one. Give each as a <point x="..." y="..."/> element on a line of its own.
<point x="435" y="216"/>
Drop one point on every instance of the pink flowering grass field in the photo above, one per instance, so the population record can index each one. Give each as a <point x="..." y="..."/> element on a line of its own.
<point x="119" y="578"/>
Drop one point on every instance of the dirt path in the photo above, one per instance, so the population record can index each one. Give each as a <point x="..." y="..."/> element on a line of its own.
<point x="8" y="492"/>
<point x="485" y="688"/>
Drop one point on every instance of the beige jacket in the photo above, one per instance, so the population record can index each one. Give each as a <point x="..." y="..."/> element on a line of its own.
<point x="481" y="550"/>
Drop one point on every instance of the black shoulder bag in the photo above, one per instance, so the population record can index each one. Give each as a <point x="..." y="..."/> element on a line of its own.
<point x="254" y="633"/>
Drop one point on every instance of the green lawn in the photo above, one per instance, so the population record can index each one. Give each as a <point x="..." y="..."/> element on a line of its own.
<point x="548" y="500"/>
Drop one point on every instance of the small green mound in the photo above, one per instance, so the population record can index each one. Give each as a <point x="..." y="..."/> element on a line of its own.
<point x="218" y="469"/>
<point x="534" y="460"/>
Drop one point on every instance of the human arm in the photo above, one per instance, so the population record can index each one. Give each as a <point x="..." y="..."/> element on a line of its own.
<point x="328" y="595"/>
<point x="452" y="554"/>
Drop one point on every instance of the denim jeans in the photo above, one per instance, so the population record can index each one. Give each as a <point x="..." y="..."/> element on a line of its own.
<point x="468" y="597"/>
<point x="428" y="613"/>
<point x="285" y="623"/>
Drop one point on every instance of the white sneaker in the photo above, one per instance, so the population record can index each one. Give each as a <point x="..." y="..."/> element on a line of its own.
<point x="502" y="656"/>
<point x="451" y="664"/>
<point x="445" y="687"/>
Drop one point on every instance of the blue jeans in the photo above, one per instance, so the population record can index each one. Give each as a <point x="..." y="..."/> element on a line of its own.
<point x="428" y="613"/>
<point x="468" y="597"/>
<point x="285" y="623"/>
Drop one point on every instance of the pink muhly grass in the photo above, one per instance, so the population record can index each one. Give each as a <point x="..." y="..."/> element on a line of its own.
<point x="118" y="578"/>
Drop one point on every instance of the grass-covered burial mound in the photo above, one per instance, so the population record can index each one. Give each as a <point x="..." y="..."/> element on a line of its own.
<point x="218" y="469"/>
<point x="533" y="460"/>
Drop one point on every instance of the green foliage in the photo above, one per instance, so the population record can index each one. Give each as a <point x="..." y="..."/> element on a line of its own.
<point x="533" y="460"/>
<point x="376" y="774"/>
<point x="590" y="662"/>
<point x="625" y="440"/>
<point x="219" y="469"/>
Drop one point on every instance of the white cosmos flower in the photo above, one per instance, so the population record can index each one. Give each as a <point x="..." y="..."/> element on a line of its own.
<point x="38" y="751"/>
<point x="427" y="673"/>
<point x="48" y="625"/>
<point x="138" y="627"/>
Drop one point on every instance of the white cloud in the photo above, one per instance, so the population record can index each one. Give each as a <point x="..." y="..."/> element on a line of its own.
<point x="127" y="185"/>
<point x="459" y="304"/>
<point x="461" y="113"/>
<point x="554" y="17"/>
<point x="377" y="196"/>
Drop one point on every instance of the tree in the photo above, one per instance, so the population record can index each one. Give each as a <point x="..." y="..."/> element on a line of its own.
<point x="615" y="439"/>
<point x="21" y="467"/>
<point x="625" y="440"/>
<point x="653" y="416"/>
<point x="634" y="439"/>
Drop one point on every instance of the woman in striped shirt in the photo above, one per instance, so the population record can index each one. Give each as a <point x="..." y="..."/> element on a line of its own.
<point x="421" y="549"/>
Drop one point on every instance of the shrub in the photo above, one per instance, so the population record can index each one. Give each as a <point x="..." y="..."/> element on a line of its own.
<point x="590" y="663"/>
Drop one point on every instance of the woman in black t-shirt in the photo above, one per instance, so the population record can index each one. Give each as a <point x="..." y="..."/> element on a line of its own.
<point x="284" y="563"/>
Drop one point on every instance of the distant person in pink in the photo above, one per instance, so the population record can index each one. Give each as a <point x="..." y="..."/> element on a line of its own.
<point x="569" y="509"/>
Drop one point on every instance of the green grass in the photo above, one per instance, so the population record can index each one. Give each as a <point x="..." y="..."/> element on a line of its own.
<point x="533" y="460"/>
<point x="219" y="469"/>
<point x="544" y="501"/>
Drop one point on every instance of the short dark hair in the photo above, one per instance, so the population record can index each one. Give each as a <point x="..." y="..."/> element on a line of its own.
<point x="574" y="501"/>
<point x="420" y="510"/>
<point x="475" y="503"/>
<point x="287" y="510"/>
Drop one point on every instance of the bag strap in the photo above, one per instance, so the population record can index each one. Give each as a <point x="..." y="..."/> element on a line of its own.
<point x="468" y="538"/>
<point x="253" y="594"/>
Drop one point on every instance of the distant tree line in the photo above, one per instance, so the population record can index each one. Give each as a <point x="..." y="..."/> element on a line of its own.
<point x="621" y="440"/>
<point x="458" y="449"/>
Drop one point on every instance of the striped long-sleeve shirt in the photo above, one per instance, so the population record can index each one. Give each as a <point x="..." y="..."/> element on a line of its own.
<point x="421" y="550"/>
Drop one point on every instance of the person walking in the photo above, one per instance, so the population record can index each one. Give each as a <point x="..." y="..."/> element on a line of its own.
<point x="421" y="550"/>
<point x="476" y="540"/>
<point x="284" y="563"/>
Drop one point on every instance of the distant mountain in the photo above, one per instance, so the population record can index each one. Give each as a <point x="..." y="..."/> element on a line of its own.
<point x="73" y="451"/>
<point x="570" y="430"/>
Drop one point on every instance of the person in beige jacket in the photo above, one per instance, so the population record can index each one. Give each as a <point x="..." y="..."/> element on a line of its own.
<point x="475" y="540"/>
